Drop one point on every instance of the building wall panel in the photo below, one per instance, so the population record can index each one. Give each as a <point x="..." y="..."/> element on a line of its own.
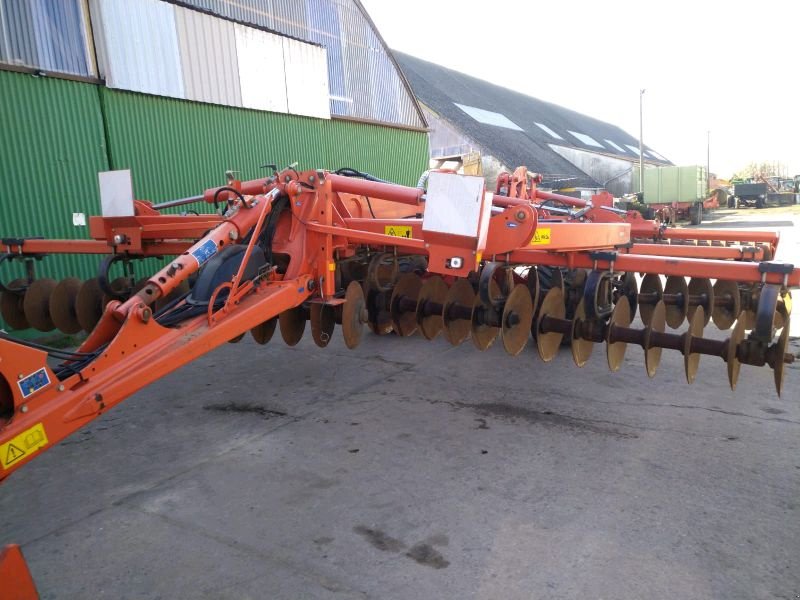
<point x="208" y="58"/>
<point x="45" y="34"/>
<point x="611" y="172"/>
<point x="177" y="149"/>
<point x="261" y="60"/>
<point x="55" y="147"/>
<point x="138" y="46"/>
<point x="306" y="72"/>
<point x="363" y="81"/>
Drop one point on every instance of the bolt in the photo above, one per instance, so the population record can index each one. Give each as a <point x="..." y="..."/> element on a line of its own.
<point x="233" y="235"/>
<point x="521" y="215"/>
<point x="19" y="376"/>
<point x="23" y="408"/>
<point x="60" y="387"/>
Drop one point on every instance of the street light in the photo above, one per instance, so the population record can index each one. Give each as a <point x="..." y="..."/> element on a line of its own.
<point x="708" y="161"/>
<point x="641" y="145"/>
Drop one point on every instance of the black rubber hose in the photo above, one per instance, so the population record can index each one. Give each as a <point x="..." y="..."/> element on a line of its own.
<point x="228" y="189"/>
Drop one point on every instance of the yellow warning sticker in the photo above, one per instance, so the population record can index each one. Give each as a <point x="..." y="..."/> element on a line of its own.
<point x="398" y="230"/>
<point x="25" y="444"/>
<point x="541" y="236"/>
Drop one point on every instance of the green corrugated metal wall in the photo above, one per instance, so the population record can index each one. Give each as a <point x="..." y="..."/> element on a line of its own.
<point x="53" y="144"/>
<point x="51" y="150"/>
<point x="177" y="148"/>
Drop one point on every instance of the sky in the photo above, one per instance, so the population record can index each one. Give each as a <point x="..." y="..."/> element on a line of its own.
<point x="728" y="68"/>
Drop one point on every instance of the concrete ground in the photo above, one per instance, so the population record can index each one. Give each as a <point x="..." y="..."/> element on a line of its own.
<point x="409" y="469"/>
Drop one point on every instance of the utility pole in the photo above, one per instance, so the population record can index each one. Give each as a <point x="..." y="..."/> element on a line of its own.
<point x="641" y="144"/>
<point x="708" y="161"/>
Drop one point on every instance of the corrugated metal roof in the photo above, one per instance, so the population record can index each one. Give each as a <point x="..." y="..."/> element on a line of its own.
<point x="306" y="69"/>
<point x="444" y="90"/>
<point x="137" y="45"/>
<point x="208" y="58"/>
<point x="45" y="34"/>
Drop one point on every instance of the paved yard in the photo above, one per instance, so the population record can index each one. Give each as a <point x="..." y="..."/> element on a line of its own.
<point x="413" y="470"/>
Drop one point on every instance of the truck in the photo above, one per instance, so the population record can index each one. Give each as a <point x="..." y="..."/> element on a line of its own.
<point x="763" y="191"/>
<point x="748" y="194"/>
<point x="675" y="192"/>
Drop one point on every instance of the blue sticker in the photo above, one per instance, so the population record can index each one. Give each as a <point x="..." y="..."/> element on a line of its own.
<point x="34" y="382"/>
<point x="205" y="251"/>
<point x="511" y="224"/>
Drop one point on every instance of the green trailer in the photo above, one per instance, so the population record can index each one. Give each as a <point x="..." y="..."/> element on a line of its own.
<point x="677" y="191"/>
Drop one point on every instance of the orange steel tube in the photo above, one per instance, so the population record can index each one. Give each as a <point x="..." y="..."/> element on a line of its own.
<point x="662" y="265"/>
<point x="540" y="195"/>
<point x="94" y="247"/>
<point x="728" y="235"/>
<point x="386" y="191"/>
<point x="715" y="252"/>
<point x="368" y="237"/>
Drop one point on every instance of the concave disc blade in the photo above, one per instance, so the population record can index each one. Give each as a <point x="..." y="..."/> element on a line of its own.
<point x="779" y="367"/>
<point x="552" y="306"/>
<point x="691" y="360"/>
<point x="353" y="316"/>
<point x="652" y="354"/>
<point x="483" y="334"/>
<point x="323" y="322"/>
<point x="677" y="312"/>
<point x="581" y="348"/>
<point x="517" y="319"/>
<point x="434" y="290"/>
<point x="62" y="305"/>
<point x="37" y="304"/>
<point x="121" y="288"/>
<point x="630" y="289"/>
<point x="700" y="286"/>
<point x="734" y="366"/>
<point x="727" y="304"/>
<point x="651" y="285"/>
<point x="292" y="324"/>
<point x="89" y="304"/>
<point x="263" y="332"/>
<point x="460" y="297"/>
<point x="11" y="305"/>
<point x="404" y="319"/>
<point x="621" y="317"/>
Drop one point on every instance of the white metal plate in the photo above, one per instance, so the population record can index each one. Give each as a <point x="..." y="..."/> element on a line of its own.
<point x="116" y="193"/>
<point x="260" y="57"/>
<point x="453" y="204"/>
<point x="306" y="72"/>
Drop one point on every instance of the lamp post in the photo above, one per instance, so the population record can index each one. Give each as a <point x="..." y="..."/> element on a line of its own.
<point x="708" y="161"/>
<point x="641" y="144"/>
